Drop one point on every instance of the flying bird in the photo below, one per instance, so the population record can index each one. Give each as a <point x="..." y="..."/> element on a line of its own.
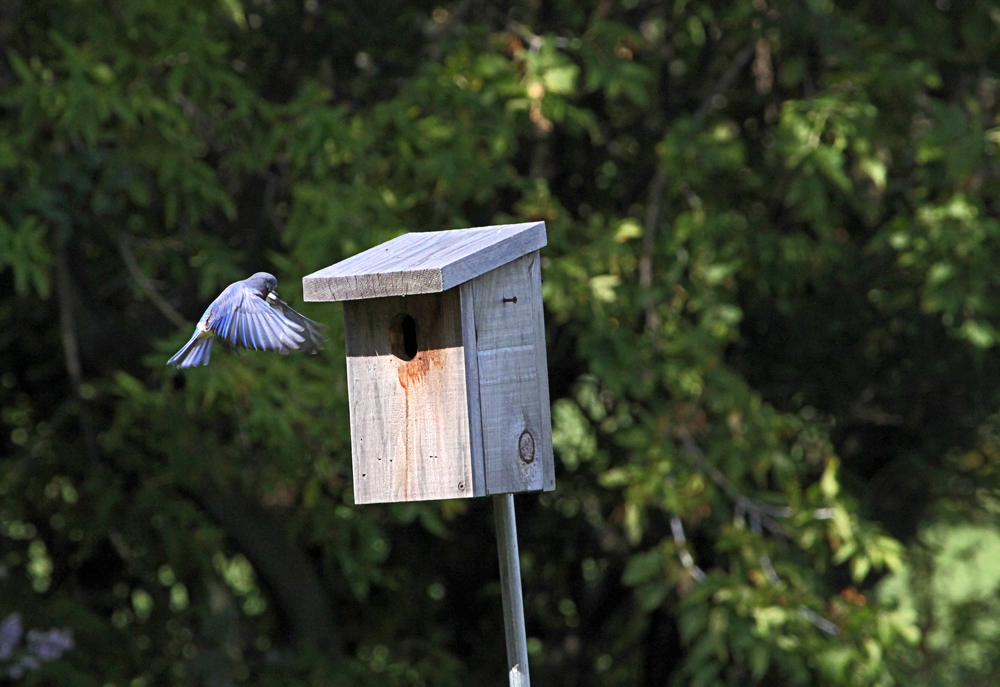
<point x="249" y="314"/>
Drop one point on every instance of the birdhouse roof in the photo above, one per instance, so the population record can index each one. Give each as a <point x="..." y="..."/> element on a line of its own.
<point x="425" y="262"/>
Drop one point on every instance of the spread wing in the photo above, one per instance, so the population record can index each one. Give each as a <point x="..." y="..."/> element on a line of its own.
<point x="312" y="332"/>
<point x="242" y="318"/>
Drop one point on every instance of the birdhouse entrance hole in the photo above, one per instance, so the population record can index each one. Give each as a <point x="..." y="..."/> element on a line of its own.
<point x="403" y="336"/>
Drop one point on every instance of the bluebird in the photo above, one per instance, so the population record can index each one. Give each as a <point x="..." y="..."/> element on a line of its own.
<point x="250" y="315"/>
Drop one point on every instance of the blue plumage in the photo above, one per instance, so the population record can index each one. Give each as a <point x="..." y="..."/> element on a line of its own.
<point x="249" y="314"/>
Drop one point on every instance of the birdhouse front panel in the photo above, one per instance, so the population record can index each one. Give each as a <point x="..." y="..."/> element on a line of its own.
<point x="407" y="389"/>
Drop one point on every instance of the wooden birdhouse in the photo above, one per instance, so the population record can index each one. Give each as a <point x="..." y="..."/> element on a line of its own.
<point x="446" y="367"/>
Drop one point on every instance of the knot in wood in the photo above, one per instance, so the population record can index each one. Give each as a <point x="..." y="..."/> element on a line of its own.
<point x="526" y="447"/>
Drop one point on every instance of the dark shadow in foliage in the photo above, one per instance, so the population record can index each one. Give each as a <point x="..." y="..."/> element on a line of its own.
<point x="302" y="601"/>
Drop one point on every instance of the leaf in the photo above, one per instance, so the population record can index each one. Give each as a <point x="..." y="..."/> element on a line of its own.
<point x="603" y="287"/>
<point x="25" y="251"/>
<point x="234" y="8"/>
<point x="979" y="333"/>
<point x="562" y="79"/>
<point x="642" y="567"/>
<point x="860" y="565"/>
<point x="628" y="229"/>
<point x="759" y="660"/>
<point x="651" y="595"/>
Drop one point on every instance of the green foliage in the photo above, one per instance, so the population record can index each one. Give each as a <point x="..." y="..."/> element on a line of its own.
<point x="950" y="588"/>
<point x="771" y="309"/>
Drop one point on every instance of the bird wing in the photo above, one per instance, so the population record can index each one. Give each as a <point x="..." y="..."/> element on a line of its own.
<point x="243" y="318"/>
<point x="313" y="332"/>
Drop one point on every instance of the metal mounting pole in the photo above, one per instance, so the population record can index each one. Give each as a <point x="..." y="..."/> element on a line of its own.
<point x="510" y="585"/>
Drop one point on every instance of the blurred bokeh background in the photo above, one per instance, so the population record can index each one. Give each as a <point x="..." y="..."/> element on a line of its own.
<point x="771" y="293"/>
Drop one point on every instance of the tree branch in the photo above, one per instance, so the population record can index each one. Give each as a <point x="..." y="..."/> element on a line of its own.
<point x="71" y="349"/>
<point x="726" y="80"/>
<point x="650" y="224"/>
<point x="657" y="185"/>
<point x="759" y="514"/>
<point x="146" y="284"/>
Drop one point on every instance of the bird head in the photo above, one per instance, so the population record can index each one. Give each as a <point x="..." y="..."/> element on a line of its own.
<point x="263" y="283"/>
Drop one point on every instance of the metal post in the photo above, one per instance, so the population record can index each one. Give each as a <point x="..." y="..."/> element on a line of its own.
<point x="510" y="585"/>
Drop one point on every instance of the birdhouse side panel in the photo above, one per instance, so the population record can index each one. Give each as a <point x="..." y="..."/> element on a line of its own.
<point x="542" y="366"/>
<point x="513" y="381"/>
<point x="407" y="390"/>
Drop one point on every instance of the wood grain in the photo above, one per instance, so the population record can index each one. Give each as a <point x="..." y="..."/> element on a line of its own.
<point x="515" y="442"/>
<point x="409" y="419"/>
<point x="542" y="367"/>
<point x="466" y="294"/>
<point x="428" y="262"/>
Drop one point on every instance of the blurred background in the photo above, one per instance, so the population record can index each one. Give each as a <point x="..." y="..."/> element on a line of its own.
<point x="771" y="300"/>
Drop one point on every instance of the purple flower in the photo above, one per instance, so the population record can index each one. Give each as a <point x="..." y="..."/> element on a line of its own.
<point x="10" y="635"/>
<point x="49" y="646"/>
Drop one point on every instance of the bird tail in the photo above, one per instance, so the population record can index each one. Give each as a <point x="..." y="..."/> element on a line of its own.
<point x="195" y="352"/>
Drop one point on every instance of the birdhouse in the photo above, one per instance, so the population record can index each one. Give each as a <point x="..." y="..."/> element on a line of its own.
<point x="446" y="368"/>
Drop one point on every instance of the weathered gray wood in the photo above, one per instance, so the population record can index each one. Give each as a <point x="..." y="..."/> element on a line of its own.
<point x="507" y="306"/>
<point x="428" y="262"/>
<point x="542" y="366"/>
<point x="469" y="343"/>
<point x="409" y="419"/>
<point x="510" y="590"/>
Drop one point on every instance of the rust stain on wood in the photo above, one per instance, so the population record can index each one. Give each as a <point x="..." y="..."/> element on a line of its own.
<point x="410" y="374"/>
<point x="406" y="442"/>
